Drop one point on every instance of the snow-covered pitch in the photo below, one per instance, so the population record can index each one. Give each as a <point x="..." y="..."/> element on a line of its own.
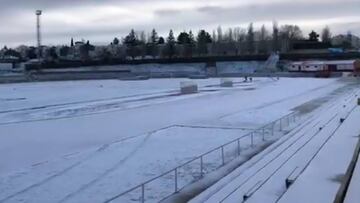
<point x="86" y="141"/>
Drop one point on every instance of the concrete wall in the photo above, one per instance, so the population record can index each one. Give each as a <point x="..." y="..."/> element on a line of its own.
<point x="236" y="67"/>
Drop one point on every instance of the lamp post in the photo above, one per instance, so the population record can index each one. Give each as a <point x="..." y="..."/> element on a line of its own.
<point x="38" y="34"/>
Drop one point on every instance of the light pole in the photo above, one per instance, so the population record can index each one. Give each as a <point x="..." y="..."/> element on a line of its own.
<point x="38" y="34"/>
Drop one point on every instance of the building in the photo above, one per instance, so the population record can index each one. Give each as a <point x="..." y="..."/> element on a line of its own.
<point x="331" y="66"/>
<point x="306" y="66"/>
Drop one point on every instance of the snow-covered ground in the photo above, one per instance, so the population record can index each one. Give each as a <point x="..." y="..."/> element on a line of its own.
<point x="329" y="165"/>
<point x="314" y="154"/>
<point x="84" y="141"/>
<point x="353" y="195"/>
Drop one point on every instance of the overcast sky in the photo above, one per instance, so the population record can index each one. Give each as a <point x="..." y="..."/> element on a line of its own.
<point x="102" y="20"/>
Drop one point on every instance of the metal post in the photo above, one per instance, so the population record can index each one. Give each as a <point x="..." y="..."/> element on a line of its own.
<point x="142" y="193"/>
<point x="176" y="188"/>
<point x="252" y="139"/>
<point x="238" y="143"/>
<point x="222" y="155"/>
<point x="201" y="166"/>
<point x="294" y="115"/>
<point x="288" y="120"/>
<point x="176" y="181"/>
<point x="263" y="134"/>
<point x="38" y="33"/>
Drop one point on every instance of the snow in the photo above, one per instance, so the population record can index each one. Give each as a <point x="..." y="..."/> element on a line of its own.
<point x="39" y="94"/>
<point x="263" y="177"/>
<point x="82" y="141"/>
<point x="325" y="171"/>
<point x="353" y="195"/>
<point x="112" y="172"/>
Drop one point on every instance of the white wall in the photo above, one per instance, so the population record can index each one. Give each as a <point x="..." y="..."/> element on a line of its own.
<point x="5" y="66"/>
<point x="239" y="67"/>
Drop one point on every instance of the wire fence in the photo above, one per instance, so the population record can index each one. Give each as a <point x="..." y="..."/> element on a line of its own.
<point x="174" y="180"/>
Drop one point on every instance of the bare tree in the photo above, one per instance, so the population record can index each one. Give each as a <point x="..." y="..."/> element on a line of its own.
<point x="142" y="37"/>
<point x="240" y="34"/>
<point x="142" y="44"/>
<point x="250" y="39"/>
<point x="288" y="34"/>
<point x="275" y="37"/>
<point x="263" y="38"/>
<point x="326" y="35"/>
<point x="291" y="32"/>
<point x="219" y="34"/>
<point x="214" y="37"/>
<point x="229" y="36"/>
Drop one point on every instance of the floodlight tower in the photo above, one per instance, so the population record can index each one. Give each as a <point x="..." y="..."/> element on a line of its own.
<point x="38" y="33"/>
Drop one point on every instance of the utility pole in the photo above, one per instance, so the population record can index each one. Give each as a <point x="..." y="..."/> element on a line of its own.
<point x="38" y="34"/>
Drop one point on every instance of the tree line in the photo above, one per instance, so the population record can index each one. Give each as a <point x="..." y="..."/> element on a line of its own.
<point x="186" y="44"/>
<point x="233" y="41"/>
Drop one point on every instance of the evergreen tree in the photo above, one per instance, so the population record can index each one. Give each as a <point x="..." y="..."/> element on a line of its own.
<point x="191" y="38"/>
<point x="154" y="38"/>
<point x="153" y="44"/>
<point x="116" y="41"/>
<point x="72" y="42"/>
<point x="131" y="39"/>
<point x="203" y="39"/>
<point x="161" y="40"/>
<point x="131" y="42"/>
<point x="170" y="48"/>
<point x="183" y="38"/>
<point x="313" y="36"/>
<point x="192" y="44"/>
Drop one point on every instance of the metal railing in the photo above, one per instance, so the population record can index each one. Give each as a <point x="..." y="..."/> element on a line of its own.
<point x="198" y="167"/>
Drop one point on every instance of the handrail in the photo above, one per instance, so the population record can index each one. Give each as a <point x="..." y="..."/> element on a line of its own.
<point x="200" y="157"/>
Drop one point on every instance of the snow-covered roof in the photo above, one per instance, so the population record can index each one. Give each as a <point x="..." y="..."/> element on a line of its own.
<point x="308" y="63"/>
<point x="313" y="63"/>
<point x="297" y="63"/>
<point x="340" y="62"/>
<point x="336" y="62"/>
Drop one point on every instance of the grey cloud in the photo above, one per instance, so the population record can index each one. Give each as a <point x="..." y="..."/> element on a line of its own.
<point x="167" y="12"/>
<point x="283" y="10"/>
<point x="210" y="9"/>
<point x="22" y="30"/>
